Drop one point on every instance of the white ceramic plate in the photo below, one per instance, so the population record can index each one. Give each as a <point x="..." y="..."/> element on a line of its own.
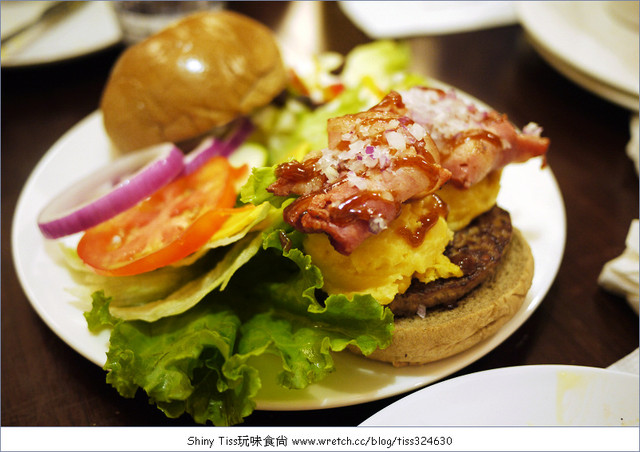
<point x="399" y="19"/>
<point x="530" y="193"/>
<point x="90" y="27"/>
<point x="589" y="44"/>
<point x="544" y="395"/>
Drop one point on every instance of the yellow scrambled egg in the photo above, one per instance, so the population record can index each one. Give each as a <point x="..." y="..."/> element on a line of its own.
<point x="465" y="205"/>
<point x="385" y="263"/>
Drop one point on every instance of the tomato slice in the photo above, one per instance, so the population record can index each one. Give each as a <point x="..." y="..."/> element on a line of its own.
<point x="169" y="225"/>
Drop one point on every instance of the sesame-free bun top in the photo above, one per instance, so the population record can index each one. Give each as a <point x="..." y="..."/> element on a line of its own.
<point x="200" y="73"/>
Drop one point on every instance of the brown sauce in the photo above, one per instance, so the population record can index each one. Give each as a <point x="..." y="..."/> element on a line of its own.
<point x="363" y="206"/>
<point x="424" y="163"/>
<point x="295" y="171"/>
<point x="472" y="135"/>
<point x="285" y="241"/>
<point x="391" y="102"/>
<point x="415" y="238"/>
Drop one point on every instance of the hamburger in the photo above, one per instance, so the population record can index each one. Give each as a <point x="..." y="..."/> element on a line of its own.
<point x="402" y="205"/>
<point x="191" y="78"/>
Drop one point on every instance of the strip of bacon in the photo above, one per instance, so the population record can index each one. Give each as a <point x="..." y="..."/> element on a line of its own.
<point x="472" y="142"/>
<point x="406" y="147"/>
<point x="376" y="160"/>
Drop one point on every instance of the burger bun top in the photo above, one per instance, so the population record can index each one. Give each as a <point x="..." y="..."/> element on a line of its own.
<point x="198" y="74"/>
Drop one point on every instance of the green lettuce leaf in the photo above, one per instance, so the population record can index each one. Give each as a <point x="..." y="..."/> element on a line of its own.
<point x="99" y="317"/>
<point x="127" y="290"/>
<point x="378" y="60"/>
<point x="298" y="327"/>
<point x="254" y="191"/>
<point x="193" y="291"/>
<point x="179" y="362"/>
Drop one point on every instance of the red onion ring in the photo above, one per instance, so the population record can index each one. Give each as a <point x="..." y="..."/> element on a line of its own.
<point x="111" y="190"/>
<point x="240" y="134"/>
<point x="211" y="147"/>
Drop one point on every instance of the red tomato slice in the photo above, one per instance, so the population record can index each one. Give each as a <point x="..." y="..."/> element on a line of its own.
<point x="174" y="222"/>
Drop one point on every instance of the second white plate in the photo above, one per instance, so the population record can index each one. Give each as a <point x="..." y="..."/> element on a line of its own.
<point x="544" y="395"/>
<point x="401" y="19"/>
<point x="90" y="27"/>
<point x="589" y="44"/>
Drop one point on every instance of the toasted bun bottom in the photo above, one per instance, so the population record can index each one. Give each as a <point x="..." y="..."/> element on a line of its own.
<point x="479" y="314"/>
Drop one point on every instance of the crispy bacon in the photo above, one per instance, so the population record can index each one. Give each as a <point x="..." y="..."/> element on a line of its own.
<point x="472" y="142"/>
<point x="404" y="148"/>
<point x="376" y="160"/>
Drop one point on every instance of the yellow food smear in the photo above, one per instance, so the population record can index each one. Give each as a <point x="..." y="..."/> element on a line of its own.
<point x="384" y="264"/>
<point x="240" y="222"/>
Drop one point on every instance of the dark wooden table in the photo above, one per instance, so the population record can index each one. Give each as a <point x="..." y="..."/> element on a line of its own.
<point x="46" y="383"/>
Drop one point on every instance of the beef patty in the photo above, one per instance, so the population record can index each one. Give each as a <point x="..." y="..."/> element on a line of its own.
<point x="476" y="249"/>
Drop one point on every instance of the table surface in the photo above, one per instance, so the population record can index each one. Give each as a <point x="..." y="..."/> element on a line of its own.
<point x="46" y="383"/>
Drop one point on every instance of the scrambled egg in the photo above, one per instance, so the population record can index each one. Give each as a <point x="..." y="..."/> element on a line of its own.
<point x="466" y="204"/>
<point x="384" y="264"/>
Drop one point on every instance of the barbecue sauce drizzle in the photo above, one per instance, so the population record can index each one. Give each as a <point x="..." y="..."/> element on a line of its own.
<point x="437" y="208"/>
<point x="473" y="134"/>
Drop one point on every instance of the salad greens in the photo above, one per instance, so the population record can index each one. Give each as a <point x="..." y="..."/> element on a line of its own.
<point x="198" y="362"/>
<point x="258" y="296"/>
